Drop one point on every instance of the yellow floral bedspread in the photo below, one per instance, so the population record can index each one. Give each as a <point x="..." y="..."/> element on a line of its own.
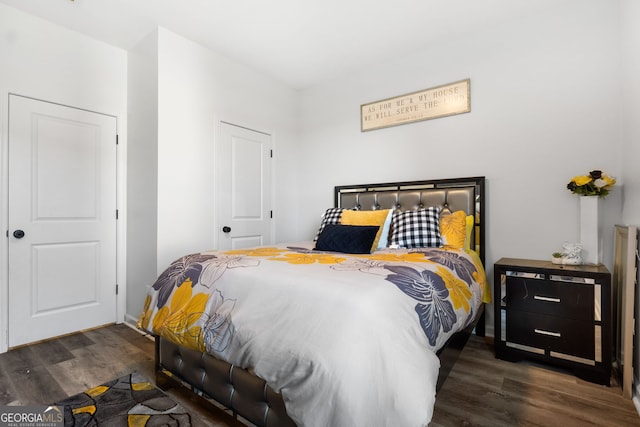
<point x="304" y="320"/>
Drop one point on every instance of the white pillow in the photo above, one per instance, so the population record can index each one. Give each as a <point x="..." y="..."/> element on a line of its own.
<point x="384" y="236"/>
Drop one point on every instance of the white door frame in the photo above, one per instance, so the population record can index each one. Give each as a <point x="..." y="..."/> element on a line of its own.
<point x="121" y="301"/>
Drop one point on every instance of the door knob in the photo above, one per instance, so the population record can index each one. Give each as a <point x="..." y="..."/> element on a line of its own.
<point x="226" y="229"/>
<point x="18" y="234"/>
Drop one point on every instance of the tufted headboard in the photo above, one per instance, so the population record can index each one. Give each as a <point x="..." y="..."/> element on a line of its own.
<point x="450" y="195"/>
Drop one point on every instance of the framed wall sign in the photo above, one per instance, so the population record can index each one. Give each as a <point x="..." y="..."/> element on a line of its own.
<point x="440" y="101"/>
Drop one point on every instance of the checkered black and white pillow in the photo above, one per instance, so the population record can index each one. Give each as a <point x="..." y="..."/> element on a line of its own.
<point x="331" y="216"/>
<point x="416" y="229"/>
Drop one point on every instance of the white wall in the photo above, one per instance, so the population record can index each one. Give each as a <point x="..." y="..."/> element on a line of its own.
<point x="48" y="62"/>
<point x="630" y="101"/>
<point x="545" y="94"/>
<point x="630" y="42"/>
<point x="142" y="171"/>
<point x="196" y="89"/>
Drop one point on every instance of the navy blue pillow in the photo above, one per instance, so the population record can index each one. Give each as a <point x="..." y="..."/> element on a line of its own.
<point x="349" y="239"/>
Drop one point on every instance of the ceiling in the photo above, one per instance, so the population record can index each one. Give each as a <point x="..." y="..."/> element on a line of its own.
<point x="299" y="42"/>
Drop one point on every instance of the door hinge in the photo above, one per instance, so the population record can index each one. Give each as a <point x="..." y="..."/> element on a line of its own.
<point x="116" y="289"/>
<point x="271" y="153"/>
<point x="117" y="214"/>
<point x="117" y="139"/>
<point x="270" y="214"/>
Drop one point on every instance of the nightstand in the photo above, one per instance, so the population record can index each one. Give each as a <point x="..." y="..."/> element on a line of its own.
<point x="557" y="314"/>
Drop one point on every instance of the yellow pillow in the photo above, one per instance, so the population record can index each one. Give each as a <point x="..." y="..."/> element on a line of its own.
<point x="470" y="226"/>
<point x="350" y="217"/>
<point x="453" y="229"/>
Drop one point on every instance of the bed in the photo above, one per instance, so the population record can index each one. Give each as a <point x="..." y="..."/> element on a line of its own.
<point x="357" y="327"/>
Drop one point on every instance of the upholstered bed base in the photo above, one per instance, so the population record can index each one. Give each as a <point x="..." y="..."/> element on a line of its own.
<point x="210" y="378"/>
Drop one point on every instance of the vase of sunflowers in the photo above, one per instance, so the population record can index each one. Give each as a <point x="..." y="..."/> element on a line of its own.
<point x="591" y="188"/>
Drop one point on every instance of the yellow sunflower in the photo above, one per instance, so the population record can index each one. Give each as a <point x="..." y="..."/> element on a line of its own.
<point x="256" y="252"/>
<point x="145" y="317"/>
<point x="176" y="320"/>
<point x="581" y="179"/>
<point x="302" y="258"/>
<point x="402" y="257"/>
<point x="458" y="289"/>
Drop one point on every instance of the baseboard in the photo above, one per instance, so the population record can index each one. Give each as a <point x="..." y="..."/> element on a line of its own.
<point x="129" y="320"/>
<point x="489" y="331"/>
<point x="132" y="322"/>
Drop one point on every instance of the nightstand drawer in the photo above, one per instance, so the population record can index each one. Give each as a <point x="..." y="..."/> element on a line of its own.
<point x="551" y="333"/>
<point x="562" y="299"/>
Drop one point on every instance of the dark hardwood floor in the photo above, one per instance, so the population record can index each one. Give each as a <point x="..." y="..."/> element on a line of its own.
<point x="480" y="390"/>
<point x="484" y="391"/>
<point x="49" y="371"/>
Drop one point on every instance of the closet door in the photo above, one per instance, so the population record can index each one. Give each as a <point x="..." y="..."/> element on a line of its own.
<point x="62" y="220"/>
<point x="244" y="187"/>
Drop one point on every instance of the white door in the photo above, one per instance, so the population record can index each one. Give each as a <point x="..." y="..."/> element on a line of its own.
<point x="62" y="220"/>
<point x="244" y="188"/>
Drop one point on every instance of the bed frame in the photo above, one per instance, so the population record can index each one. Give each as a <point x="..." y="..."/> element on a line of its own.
<point x="249" y="396"/>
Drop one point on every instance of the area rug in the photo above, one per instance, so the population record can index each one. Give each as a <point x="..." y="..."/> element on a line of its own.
<point x="130" y="400"/>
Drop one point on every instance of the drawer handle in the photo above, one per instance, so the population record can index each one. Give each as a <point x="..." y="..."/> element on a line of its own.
<point x="549" y="333"/>
<point x="547" y="299"/>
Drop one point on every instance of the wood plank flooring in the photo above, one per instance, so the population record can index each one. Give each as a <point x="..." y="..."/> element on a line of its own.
<point x="484" y="391"/>
<point x="480" y="390"/>
<point x="49" y="371"/>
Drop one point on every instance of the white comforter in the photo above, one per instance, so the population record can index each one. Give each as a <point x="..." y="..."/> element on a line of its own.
<point x="348" y="340"/>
